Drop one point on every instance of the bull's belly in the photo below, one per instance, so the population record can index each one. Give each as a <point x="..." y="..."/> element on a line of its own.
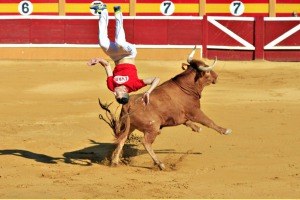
<point x="155" y="116"/>
<point x="149" y="124"/>
<point x="171" y="121"/>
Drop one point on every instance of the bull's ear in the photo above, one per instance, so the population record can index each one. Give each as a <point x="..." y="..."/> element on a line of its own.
<point x="183" y="65"/>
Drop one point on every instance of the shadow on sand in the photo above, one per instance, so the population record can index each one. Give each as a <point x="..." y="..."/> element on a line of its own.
<point x="30" y="155"/>
<point x="99" y="153"/>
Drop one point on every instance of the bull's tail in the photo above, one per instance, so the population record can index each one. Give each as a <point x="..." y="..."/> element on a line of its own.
<point x="122" y="127"/>
<point x="119" y="126"/>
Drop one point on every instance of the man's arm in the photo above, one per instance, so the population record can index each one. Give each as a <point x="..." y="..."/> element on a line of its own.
<point x="107" y="68"/>
<point x="153" y="82"/>
<point x="104" y="63"/>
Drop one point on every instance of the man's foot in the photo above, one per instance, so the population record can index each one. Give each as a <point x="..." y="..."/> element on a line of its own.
<point x="117" y="9"/>
<point x="98" y="7"/>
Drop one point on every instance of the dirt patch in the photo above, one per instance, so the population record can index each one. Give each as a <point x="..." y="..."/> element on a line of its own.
<point x="53" y="144"/>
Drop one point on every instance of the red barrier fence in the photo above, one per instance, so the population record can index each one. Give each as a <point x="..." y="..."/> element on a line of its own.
<point x="228" y="38"/>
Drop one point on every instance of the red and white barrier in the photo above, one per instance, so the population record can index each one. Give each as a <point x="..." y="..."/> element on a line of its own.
<point x="228" y="38"/>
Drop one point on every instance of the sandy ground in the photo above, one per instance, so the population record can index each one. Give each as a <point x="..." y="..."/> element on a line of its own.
<point x="54" y="146"/>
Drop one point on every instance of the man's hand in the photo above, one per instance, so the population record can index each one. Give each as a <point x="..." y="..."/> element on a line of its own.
<point x="94" y="61"/>
<point x="146" y="98"/>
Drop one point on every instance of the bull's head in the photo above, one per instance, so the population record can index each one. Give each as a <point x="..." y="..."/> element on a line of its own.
<point x="204" y="69"/>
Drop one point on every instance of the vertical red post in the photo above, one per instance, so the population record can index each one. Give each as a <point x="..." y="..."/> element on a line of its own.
<point x="204" y="38"/>
<point x="259" y="38"/>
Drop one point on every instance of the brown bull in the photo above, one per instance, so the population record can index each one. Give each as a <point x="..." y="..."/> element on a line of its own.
<point x="174" y="102"/>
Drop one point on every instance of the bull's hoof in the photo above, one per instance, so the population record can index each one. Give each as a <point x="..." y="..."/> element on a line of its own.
<point x="161" y="166"/>
<point x="197" y="129"/>
<point x="114" y="163"/>
<point x="228" y="131"/>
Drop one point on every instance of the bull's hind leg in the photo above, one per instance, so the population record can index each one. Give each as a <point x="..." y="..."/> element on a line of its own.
<point x="116" y="154"/>
<point x="147" y="142"/>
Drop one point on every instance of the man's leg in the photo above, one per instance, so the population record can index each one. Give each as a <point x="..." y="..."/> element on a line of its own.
<point x="108" y="47"/>
<point x="100" y="8"/>
<point x="104" y="41"/>
<point x="120" y="34"/>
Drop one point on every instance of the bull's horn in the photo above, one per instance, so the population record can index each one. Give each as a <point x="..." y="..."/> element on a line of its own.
<point x="190" y="57"/>
<point x="208" y="68"/>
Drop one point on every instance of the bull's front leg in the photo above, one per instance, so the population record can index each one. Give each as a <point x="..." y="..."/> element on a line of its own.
<point x="201" y="118"/>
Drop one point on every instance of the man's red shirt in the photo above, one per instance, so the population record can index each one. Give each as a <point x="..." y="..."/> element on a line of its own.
<point x="125" y="74"/>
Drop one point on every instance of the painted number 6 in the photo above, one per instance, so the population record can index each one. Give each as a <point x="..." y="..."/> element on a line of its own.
<point x="25" y="7"/>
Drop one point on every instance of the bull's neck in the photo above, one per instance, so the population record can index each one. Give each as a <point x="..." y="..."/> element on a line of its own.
<point x="186" y="82"/>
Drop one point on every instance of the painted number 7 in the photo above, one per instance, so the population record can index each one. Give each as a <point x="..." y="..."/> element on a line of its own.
<point x="237" y="5"/>
<point x="167" y="8"/>
<point x="237" y="8"/>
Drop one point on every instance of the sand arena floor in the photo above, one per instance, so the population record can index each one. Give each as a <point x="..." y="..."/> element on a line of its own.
<point x="54" y="146"/>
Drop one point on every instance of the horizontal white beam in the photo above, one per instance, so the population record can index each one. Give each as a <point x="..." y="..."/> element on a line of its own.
<point x="230" y="47"/>
<point x="231" y="18"/>
<point x="142" y="46"/>
<point x="283" y="48"/>
<point x="281" y="18"/>
<point x="165" y="17"/>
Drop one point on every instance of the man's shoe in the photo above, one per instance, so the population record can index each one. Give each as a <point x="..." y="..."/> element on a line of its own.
<point x="117" y="9"/>
<point x="98" y="7"/>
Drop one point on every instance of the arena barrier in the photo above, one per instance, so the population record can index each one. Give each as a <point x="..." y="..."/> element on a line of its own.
<point x="75" y="37"/>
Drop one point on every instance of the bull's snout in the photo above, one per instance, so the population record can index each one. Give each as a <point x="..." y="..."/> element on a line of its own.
<point x="213" y="77"/>
<point x="215" y="80"/>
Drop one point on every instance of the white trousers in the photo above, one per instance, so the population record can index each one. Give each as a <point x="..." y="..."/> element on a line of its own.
<point x="120" y="48"/>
